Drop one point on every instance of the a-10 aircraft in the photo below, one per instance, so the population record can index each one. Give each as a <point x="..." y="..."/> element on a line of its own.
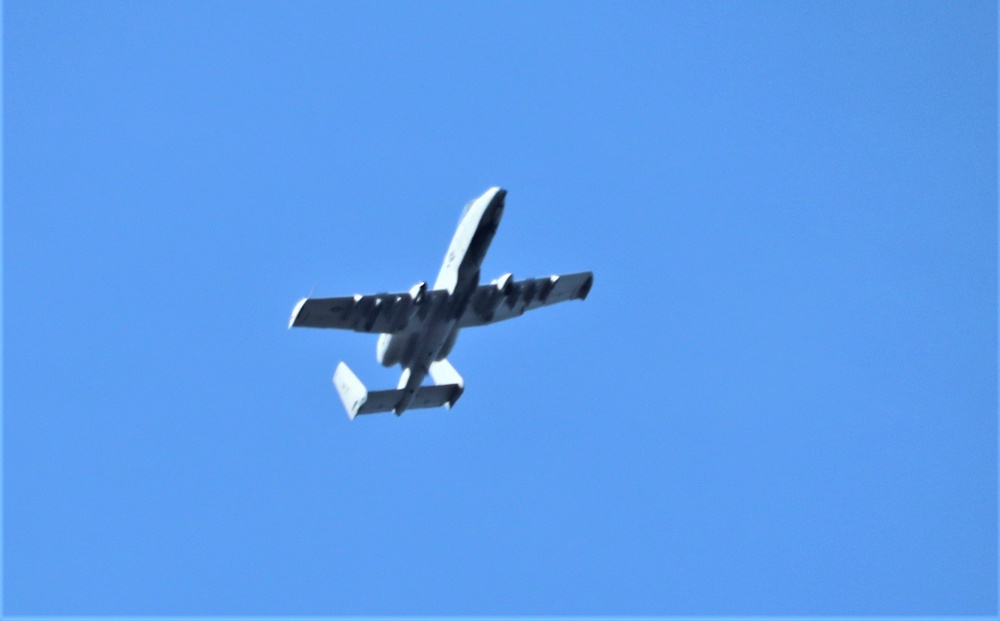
<point x="418" y="329"/>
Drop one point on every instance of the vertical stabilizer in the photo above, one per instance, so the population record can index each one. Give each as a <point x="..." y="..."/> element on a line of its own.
<point x="352" y="392"/>
<point x="444" y="374"/>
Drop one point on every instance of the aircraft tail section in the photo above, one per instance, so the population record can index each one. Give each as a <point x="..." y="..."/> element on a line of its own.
<point x="444" y="374"/>
<point x="358" y="399"/>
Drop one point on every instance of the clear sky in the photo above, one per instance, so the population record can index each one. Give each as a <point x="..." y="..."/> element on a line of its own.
<point x="779" y="398"/>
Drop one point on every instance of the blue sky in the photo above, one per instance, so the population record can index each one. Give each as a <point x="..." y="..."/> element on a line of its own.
<point x="779" y="398"/>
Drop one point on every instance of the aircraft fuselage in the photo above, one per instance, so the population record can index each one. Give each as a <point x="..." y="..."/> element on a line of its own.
<point x="432" y="334"/>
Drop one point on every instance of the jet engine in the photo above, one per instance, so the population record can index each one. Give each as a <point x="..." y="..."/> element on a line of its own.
<point x="418" y="291"/>
<point x="388" y="351"/>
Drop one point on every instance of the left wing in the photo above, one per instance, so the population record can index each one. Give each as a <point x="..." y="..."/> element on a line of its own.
<point x="381" y="313"/>
<point x="495" y="302"/>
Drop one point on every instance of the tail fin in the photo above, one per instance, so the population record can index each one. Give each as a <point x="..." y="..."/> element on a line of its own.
<point x="352" y="392"/>
<point x="444" y="374"/>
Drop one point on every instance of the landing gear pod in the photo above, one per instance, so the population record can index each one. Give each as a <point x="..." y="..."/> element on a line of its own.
<point x="418" y="291"/>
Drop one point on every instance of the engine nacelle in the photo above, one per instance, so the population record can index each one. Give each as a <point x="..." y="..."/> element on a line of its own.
<point x="389" y="350"/>
<point x="418" y="291"/>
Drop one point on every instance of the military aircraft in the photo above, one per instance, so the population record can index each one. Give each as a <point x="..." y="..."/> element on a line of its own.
<point x="418" y="329"/>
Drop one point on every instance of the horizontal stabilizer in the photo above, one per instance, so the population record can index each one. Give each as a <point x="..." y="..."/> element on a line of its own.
<point x="359" y="400"/>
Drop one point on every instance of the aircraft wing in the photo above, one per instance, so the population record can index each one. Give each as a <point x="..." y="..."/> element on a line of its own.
<point x="381" y="313"/>
<point x="494" y="302"/>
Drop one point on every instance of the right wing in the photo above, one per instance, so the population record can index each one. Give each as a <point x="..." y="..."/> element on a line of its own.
<point x="381" y="313"/>
<point x="490" y="303"/>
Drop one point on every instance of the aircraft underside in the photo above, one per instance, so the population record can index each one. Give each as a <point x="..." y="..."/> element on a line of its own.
<point x="418" y="329"/>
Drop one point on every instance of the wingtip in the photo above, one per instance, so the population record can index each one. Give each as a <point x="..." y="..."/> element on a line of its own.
<point x="295" y="312"/>
<point x="585" y="288"/>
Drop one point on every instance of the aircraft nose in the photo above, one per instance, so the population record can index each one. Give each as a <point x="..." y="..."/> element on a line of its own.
<point x="498" y="199"/>
<point x="496" y="205"/>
